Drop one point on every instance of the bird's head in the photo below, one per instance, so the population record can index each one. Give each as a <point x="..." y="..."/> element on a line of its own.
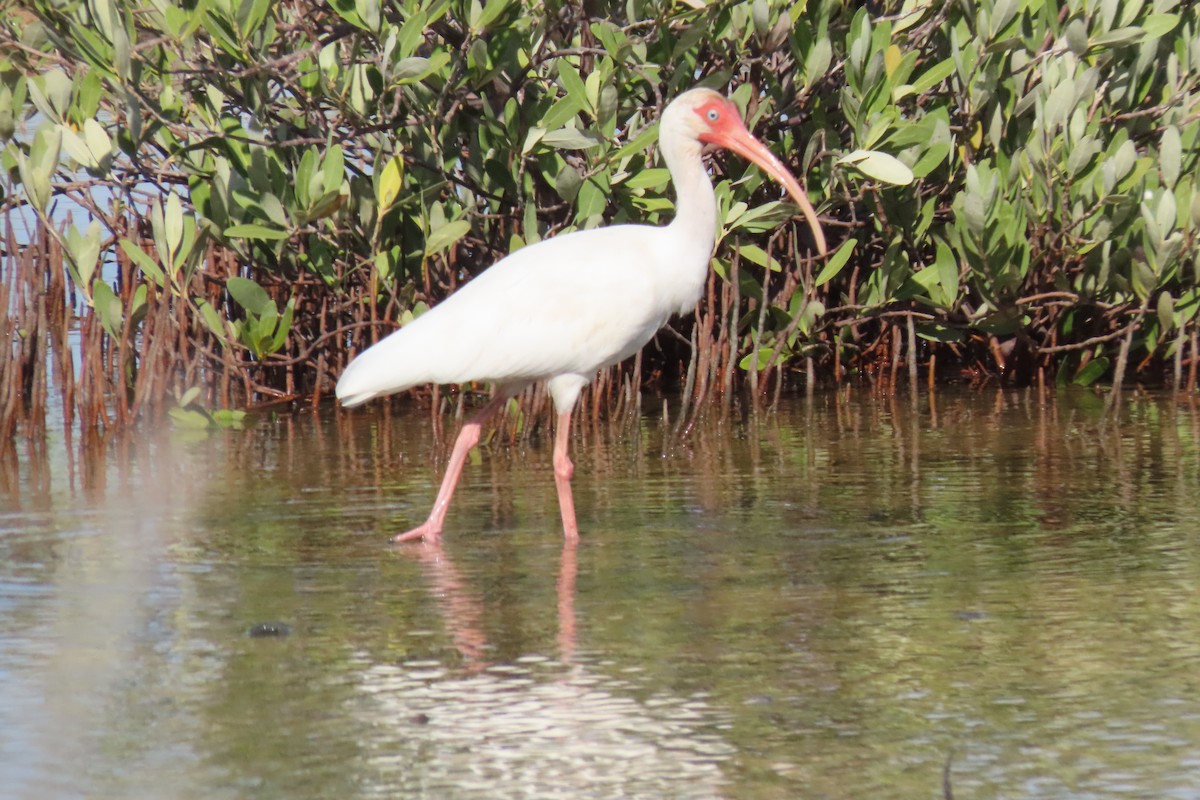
<point x="705" y="116"/>
<point x="702" y="114"/>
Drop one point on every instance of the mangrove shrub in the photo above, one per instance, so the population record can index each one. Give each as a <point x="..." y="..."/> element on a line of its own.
<point x="271" y="186"/>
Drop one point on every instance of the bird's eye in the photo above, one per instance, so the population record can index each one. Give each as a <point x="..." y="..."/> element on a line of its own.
<point x="713" y="115"/>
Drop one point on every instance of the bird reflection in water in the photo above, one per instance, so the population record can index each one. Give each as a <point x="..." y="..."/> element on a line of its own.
<point x="532" y="726"/>
<point x="461" y="608"/>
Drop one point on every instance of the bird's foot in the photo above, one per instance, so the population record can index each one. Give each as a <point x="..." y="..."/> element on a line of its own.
<point x="427" y="532"/>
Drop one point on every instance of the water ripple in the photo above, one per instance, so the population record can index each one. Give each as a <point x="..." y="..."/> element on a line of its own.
<point x="509" y="732"/>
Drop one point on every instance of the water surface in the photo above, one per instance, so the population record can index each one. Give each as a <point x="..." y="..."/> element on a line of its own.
<point x="849" y="598"/>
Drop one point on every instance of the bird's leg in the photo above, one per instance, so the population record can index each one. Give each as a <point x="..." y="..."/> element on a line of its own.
<point x="566" y="602"/>
<point x="468" y="437"/>
<point x="563" y="470"/>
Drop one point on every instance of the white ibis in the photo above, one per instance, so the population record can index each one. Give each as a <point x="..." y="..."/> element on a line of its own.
<point x="560" y="310"/>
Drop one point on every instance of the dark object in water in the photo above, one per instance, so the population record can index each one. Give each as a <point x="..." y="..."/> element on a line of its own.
<point x="264" y="629"/>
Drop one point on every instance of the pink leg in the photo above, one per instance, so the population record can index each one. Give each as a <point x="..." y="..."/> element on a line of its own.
<point x="468" y="437"/>
<point x="563" y="470"/>
<point x="566" y="602"/>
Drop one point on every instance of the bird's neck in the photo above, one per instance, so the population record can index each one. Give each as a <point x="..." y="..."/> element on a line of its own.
<point x="695" y="203"/>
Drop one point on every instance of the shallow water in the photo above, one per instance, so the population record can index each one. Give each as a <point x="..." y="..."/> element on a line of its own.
<point x="849" y="598"/>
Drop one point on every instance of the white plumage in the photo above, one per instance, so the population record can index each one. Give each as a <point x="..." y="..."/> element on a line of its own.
<point x="564" y="308"/>
<point x="574" y="304"/>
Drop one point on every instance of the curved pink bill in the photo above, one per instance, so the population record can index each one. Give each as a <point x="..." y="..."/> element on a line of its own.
<point x="735" y="137"/>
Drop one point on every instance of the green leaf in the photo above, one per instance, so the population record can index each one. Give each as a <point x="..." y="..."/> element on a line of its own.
<point x="1091" y="372"/>
<point x="304" y="177"/>
<point x="571" y="139"/>
<point x="213" y="320"/>
<point x="188" y="254"/>
<point x="412" y="34"/>
<point x="492" y="10"/>
<point x="138" y="309"/>
<point x="51" y="93"/>
<point x="122" y="55"/>
<point x="391" y="180"/>
<point x="836" y="262"/>
<point x="529" y="226"/>
<point x="568" y="182"/>
<point x="910" y="14"/>
<point x="1165" y="213"/>
<point x="610" y="35"/>
<point x="947" y="267"/>
<point x="880" y="166"/>
<point x="760" y="15"/>
<point x="926" y="278"/>
<point x="932" y="158"/>
<point x="756" y="255"/>
<point x="653" y="178"/>
<point x="1129" y="11"/>
<point x="284" y="327"/>
<point x="1076" y="36"/>
<point x="261" y="330"/>
<point x="1118" y="37"/>
<point x="573" y="84"/>
<point x="1060" y="103"/>
<point x="638" y="143"/>
<point x="593" y="84"/>
<point x="590" y="203"/>
<point x="445" y="236"/>
<point x="37" y="187"/>
<point x="816" y="63"/>
<point x="561" y="113"/>
<point x="1166" y="311"/>
<point x="108" y="308"/>
<point x="173" y="222"/>
<point x="143" y="261"/>
<point x="229" y="418"/>
<point x="333" y="169"/>
<point x="254" y="231"/>
<point x="98" y="141"/>
<point x="749" y="362"/>
<point x="38" y="169"/>
<point x="83" y="253"/>
<point x="77" y="148"/>
<point x="532" y="138"/>
<point x="347" y="11"/>
<point x="249" y="295"/>
<point x="1124" y="159"/>
<point x="933" y="76"/>
<point x="47" y="144"/>
<point x="971" y="204"/>
<point x="189" y="396"/>
<point x="1159" y="25"/>
<point x="937" y="332"/>
<point x="1170" y="156"/>
<point x="368" y="12"/>
<point x="89" y="94"/>
<point x="188" y="418"/>
<point x="412" y="69"/>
